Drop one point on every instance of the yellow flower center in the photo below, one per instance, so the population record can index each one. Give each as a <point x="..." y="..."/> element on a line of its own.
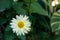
<point x="20" y="24"/>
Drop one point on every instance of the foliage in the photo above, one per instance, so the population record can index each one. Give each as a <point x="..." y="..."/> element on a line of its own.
<point x="45" y="25"/>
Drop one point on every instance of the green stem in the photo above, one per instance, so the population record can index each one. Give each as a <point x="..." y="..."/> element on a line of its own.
<point x="54" y="9"/>
<point x="29" y="7"/>
<point x="50" y="28"/>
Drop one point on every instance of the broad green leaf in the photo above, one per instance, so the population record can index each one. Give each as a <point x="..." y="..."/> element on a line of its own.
<point x="8" y="34"/>
<point x="55" y="22"/>
<point x="30" y="1"/>
<point x="37" y="8"/>
<point x="39" y="22"/>
<point x="45" y="2"/>
<point x="18" y="8"/>
<point x="5" y="4"/>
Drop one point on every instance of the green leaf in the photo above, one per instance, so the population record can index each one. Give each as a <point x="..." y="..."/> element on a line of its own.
<point x="40" y="36"/>
<point x="18" y="8"/>
<point x="5" y="4"/>
<point x="55" y="22"/>
<point x="44" y="36"/>
<point x="30" y="1"/>
<point x="2" y="21"/>
<point x="8" y="34"/>
<point x="59" y="1"/>
<point x="23" y="37"/>
<point x="45" y="2"/>
<point x="57" y="37"/>
<point x="37" y="8"/>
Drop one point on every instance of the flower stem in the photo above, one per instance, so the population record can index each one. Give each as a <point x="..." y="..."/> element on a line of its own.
<point x="29" y="13"/>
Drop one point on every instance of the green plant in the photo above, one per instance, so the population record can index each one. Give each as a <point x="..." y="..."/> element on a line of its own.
<point x="45" y="24"/>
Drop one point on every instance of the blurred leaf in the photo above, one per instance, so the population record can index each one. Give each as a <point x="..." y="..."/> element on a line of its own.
<point x="9" y="34"/>
<point x="55" y="22"/>
<point x="39" y="22"/>
<point x="1" y="35"/>
<point x="57" y="37"/>
<point x="23" y="37"/>
<point x="59" y="1"/>
<point x="40" y="36"/>
<point x="30" y="1"/>
<point x="5" y="4"/>
<point x="36" y="8"/>
<point x="2" y="21"/>
<point x="45" y="2"/>
<point x="18" y="8"/>
<point x="44" y="36"/>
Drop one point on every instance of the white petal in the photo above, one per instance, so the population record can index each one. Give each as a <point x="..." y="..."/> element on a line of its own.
<point x="25" y="17"/>
<point x="53" y="3"/>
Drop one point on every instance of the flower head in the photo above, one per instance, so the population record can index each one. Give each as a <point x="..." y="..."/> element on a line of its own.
<point x="54" y="3"/>
<point x="20" y="25"/>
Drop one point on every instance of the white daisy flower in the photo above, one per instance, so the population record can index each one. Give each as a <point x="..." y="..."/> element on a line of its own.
<point x="54" y="3"/>
<point x="20" y="25"/>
